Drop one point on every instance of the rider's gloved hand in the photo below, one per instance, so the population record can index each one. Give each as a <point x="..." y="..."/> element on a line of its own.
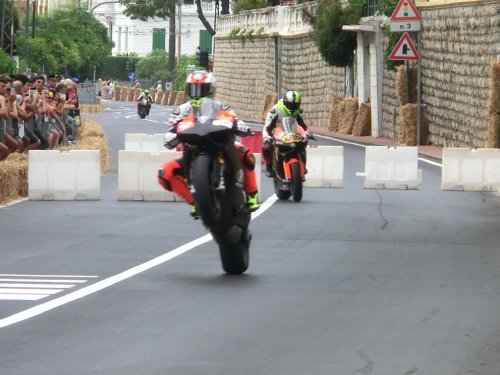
<point x="246" y="130"/>
<point x="267" y="140"/>
<point x="308" y="134"/>
<point x="170" y="140"/>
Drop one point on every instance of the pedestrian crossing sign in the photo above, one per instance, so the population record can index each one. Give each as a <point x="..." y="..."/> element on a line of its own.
<point x="405" y="11"/>
<point x="404" y="50"/>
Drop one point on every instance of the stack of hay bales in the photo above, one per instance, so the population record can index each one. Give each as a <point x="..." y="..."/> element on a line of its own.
<point x="13" y="177"/>
<point x="349" y="113"/>
<point x="407" y="94"/>
<point x="159" y="97"/>
<point x="335" y="114"/>
<point x="494" y="106"/>
<point x="363" y="124"/>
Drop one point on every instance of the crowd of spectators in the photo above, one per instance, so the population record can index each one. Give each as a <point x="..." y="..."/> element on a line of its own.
<point x="36" y="112"/>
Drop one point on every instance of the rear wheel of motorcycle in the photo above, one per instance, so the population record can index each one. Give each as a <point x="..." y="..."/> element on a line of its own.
<point x="235" y="255"/>
<point x="296" y="186"/>
<point x="206" y="200"/>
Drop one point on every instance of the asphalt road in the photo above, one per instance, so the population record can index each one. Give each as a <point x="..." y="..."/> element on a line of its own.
<point x="349" y="281"/>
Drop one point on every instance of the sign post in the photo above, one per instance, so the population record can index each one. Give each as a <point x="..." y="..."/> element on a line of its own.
<point x="406" y="18"/>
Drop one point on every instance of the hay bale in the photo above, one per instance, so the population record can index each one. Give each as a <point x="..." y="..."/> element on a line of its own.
<point x="9" y="187"/>
<point x="363" y="124"/>
<point x="407" y="134"/>
<point x="493" y="106"/>
<point x="349" y="113"/>
<point x="172" y="98"/>
<point x="180" y="99"/>
<point x="402" y="84"/>
<point x="270" y="99"/>
<point x="136" y="93"/>
<point x="124" y="94"/>
<point x="335" y="115"/>
<point x="166" y="97"/>
<point x="159" y="97"/>
<point x="117" y="93"/>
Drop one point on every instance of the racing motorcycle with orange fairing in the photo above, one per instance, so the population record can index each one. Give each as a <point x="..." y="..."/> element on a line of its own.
<point x="288" y="159"/>
<point x="215" y="177"/>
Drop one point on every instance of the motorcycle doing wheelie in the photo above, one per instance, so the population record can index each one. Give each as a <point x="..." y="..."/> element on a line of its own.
<point x="288" y="159"/>
<point x="215" y="177"/>
<point x="144" y="107"/>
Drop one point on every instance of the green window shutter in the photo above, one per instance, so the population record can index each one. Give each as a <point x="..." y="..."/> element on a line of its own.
<point x="159" y="39"/>
<point x="205" y="41"/>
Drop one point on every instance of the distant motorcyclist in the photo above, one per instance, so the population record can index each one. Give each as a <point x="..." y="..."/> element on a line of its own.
<point x="144" y="94"/>
<point x="200" y="85"/>
<point x="289" y="105"/>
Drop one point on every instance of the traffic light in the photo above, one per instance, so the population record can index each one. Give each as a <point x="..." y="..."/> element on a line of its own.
<point x="132" y="66"/>
<point x="127" y="65"/>
<point x="198" y="57"/>
<point x="204" y="59"/>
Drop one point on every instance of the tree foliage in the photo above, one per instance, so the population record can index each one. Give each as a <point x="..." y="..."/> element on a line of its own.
<point x="241" y="5"/>
<point x="7" y="64"/>
<point x="66" y="41"/>
<point x="335" y="45"/>
<point x="145" y="9"/>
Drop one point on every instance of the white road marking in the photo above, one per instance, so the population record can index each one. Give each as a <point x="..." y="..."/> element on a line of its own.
<point x="29" y="291"/>
<point x="23" y="297"/>
<point x="100" y="285"/>
<point x="17" y="275"/>
<point x="26" y="285"/>
<point x="48" y="280"/>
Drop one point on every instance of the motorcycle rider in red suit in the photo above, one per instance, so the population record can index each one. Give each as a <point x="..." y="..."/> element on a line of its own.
<point x="201" y="85"/>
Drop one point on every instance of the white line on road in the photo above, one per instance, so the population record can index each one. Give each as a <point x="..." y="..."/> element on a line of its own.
<point x="16" y="275"/>
<point x="47" y="280"/>
<point x="28" y="285"/>
<point x="23" y="297"/>
<point x="100" y="285"/>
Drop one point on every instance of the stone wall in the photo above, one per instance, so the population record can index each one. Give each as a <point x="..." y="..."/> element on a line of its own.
<point x="458" y="46"/>
<point x="245" y="71"/>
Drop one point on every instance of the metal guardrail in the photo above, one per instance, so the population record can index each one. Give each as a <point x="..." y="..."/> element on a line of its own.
<point x="87" y="93"/>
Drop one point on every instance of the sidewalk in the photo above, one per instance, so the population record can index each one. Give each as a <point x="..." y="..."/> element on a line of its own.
<point x="435" y="152"/>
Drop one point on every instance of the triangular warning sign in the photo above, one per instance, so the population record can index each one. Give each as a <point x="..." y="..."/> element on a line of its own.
<point x="405" y="11"/>
<point x="404" y="50"/>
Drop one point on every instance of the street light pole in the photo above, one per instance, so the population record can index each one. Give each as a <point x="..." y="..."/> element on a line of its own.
<point x="33" y="22"/>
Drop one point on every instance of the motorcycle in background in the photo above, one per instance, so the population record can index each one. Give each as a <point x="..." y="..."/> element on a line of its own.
<point x="215" y="177"/>
<point x="143" y="109"/>
<point x="288" y="160"/>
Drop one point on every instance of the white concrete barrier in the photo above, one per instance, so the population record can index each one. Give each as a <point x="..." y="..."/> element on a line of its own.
<point x="325" y="166"/>
<point x="144" y="142"/>
<point x="391" y="168"/>
<point x="470" y="170"/>
<point x="137" y="175"/>
<point x="72" y="175"/>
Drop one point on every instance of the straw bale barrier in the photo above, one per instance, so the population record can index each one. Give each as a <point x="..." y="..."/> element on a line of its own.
<point x="159" y="97"/>
<point x="363" y="124"/>
<point x="91" y="108"/>
<point x="335" y="114"/>
<point x="124" y="94"/>
<point x="13" y="177"/>
<point x="166" y="97"/>
<point x="136" y="93"/>
<point x="270" y="99"/>
<point x="494" y="107"/>
<point x="349" y="113"/>
<point x="407" y="134"/>
<point x="117" y="93"/>
<point x="181" y="98"/>
<point x="404" y="89"/>
<point x="172" y="97"/>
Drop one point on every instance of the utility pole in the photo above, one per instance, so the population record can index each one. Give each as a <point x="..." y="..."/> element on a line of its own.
<point x="7" y="28"/>
<point x="33" y="22"/>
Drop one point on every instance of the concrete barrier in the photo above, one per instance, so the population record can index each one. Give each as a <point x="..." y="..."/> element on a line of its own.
<point x="470" y="169"/>
<point x="137" y="175"/>
<point x="144" y="142"/>
<point x="391" y="168"/>
<point x="72" y="175"/>
<point x="137" y="171"/>
<point x="325" y="166"/>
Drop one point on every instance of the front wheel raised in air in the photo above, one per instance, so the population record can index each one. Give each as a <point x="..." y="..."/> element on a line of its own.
<point x="206" y="199"/>
<point x="296" y="186"/>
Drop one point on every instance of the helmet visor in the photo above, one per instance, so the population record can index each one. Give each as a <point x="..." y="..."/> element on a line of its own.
<point x="198" y="90"/>
<point x="292" y="106"/>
